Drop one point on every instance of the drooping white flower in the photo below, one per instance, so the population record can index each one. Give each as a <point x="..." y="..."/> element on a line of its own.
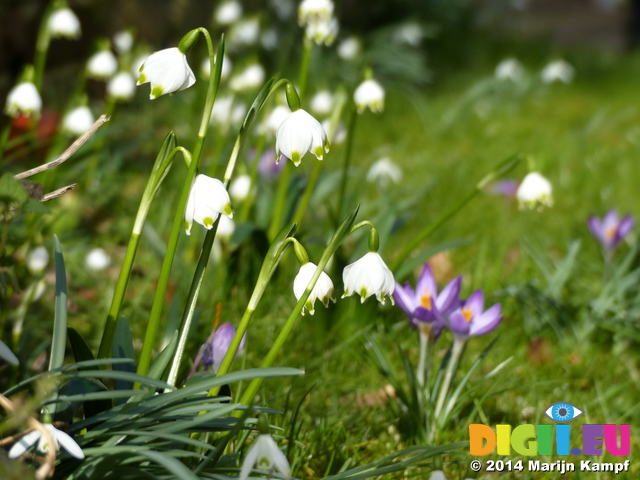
<point x="226" y="227"/>
<point x="37" y="260"/>
<point x="509" y="69"/>
<point x="167" y="71"/>
<point x="369" y="276"/>
<point x="314" y="10"/>
<point x="266" y="455"/>
<point x="207" y="199"/>
<point x="97" y="259"/>
<point x="437" y="475"/>
<point x="240" y="188"/>
<point x="205" y="69"/>
<point x="60" y="438"/>
<point x="534" y="192"/>
<point x="245" y="33"/>
<point x="322" y="290"/>
<point x="78" y="121"/>
<point x="298" y="134"/>
<point x="349" y="48"/>
<point x="228" y="12"/>
<point x="23" y="99"/>
<point x="122" y="87"/>
<point x="557" y="71"/>
<point x="322" y="31"/>
<point x="123" y="41"/>
<point x="322" y="102"/>
<point x="64" y="23"/>
<point x="384" y="170"/>
<point x="275" y="119"/>
<point x="369" y="94"/>
<point x="102" y="65"/>
<point x="251" y="77"/>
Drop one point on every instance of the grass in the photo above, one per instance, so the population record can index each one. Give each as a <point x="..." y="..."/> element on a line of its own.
<point x="584" y="137"/>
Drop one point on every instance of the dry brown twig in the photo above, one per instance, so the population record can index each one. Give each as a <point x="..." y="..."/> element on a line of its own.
<point x="48" y="467"/>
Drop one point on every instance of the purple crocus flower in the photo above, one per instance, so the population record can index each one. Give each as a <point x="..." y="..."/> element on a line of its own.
<point x="424" y="305"/>
<point x="212" y="352"/>
<point x="471" y="320"/>
<point x="610" y="230"/>
<point x="267" y="166"/>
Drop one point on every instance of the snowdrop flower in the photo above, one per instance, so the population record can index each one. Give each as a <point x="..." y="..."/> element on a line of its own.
<point x="23" y="99"/>
<point x="349" y="49"/>
<point x="207" y="200"/>
<point x="510" y="69"/>
<point x="298" y="134"/>
<point x="167" y="71"/>
<point x="60" y="438"/>
<point x="205" y="69"/>
<point x="245" y="33"/>
<point x="78" y="121"/>
<point x="437" y="475"/>
<point x="322" y="102"/>
<point x="250" y="78"/>
<point x="314" y="10"/>
<point x="102" y="65"/>
<point x="322" y="31"/>
<point x="64" y="23"/>
<point x="611" y="229"/>
<point x="369" y="94"/>
<point x="228" y="12"/>
<point x="97" y="260"/>
<point x="369" y="276"/>
<point x="123" y="41"/>
<point x="226" y="228"/>
<point x="558" y="71"/>
<point x="534" y="192"/>
<point x="383" y="171"/>
<point x="240" y="188"/>
<point x="122" y="87"/>
<point x="267" y="456"/>
<point x="37" y="260"/>
<point x="322" y="290"/>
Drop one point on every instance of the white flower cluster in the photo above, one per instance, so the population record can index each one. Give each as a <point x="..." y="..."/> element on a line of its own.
<point x="316" y="16"/>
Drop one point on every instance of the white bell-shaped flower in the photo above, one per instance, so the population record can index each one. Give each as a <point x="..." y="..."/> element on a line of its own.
<point x="37" y="260"/>
<point x="369" y="276"/>
<point x="23" y="99"/>
<point x="78" y="121"/>
<point x="240" y="188"/>
<point x="167" y="71"/>
<point x="60" y="438"/>
<point x="369" y="94"/>
<point x="252" y="77"/>
<point x="207" y="200"/>
<point x="64" y="23"/>
<point x="558" y="71"/>
<point x="245" y="33"/>
<point x="226" y="227"/>
<point x="437" y="475"/>
<point x="122" y="87"/>
<point x="349" y="48"/>
<point x="266" y="455"/>
<point x="102" y="65"/>
<point x="322" y="31"/>
<point x="534" y="192"/>
<point x="298" y="134"/>
<point x="509" y="69"/>
<point x="384" y="171"/>
<point x="97" y="259"/>
<point x="314" y="10"/>
<point x="273" y="121"/>
<point x="322" y="290"/>
<point x="228" y="12"/>
<point x="123" y="41"/>
<point x="322" y="102"/>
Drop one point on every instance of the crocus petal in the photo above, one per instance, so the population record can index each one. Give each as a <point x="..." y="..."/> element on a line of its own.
<point x="426" y="283"/>
<point x="475" y="302"/>
<point x="24" y="443"/>
<point x="68" y="443"/>
<point x="595" y="227"/>
<point x="458" y="324"/>
<point x="487" y="322"/>
<point x="405" y="298"/>
<point x="449" y="295"/>
<point x="625" y="226"/>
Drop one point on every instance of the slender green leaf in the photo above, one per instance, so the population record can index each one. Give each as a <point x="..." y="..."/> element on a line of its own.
<point x="59" y="342"/>
<point x="81" y="351"/>
<point x="171" y="464"/>
<point x="122" y="347"/>
<point x="162" y="361"/>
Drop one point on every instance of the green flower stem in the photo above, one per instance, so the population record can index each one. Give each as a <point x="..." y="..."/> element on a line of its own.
<point x="42" y="46"/>
<point x="317" y="169"/>
<point x="303" y="74"/>
<point x="503" y="168"/>
<point x="456" y="350"/>
<point x="160" y="169"/>
<point x="347" y="158"/>
<point x="343" y="231"/>
<point x="163" y="280"/>
<point x="4" y="138"/>
<point x="201" y="267"/>
<point x="281" y="199"/>
<point x="248" y="202"/>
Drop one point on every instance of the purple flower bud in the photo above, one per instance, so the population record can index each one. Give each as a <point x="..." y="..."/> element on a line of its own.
<point x="212" y="352"/>
<point x="610" y="230"/>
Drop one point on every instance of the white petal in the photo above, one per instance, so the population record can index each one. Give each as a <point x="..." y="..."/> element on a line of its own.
<point x="24" y="443"/>
<point x="249" y="462"/>
<point x="68" y="443"/>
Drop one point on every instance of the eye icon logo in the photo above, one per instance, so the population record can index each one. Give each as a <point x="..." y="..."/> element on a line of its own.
<point x="563" y="412"/>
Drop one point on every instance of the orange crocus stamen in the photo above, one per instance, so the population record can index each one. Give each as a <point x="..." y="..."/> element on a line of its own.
<point x="468" y="314"/>
<point x="611" y="231"/>
<point x="425" y="301"/>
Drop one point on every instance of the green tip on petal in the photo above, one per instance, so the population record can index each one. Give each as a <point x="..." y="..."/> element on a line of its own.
<point x="142" y="78"/>
<point x="319" y="152"/>
<point x="363" y="294"/>
<point x="309" y="306"/>
<point x="295" y="158"/>
<point x="187" y="227"/>
<point x="327" y="146"/>
<point x="227" y="211"/>
<point x="207" y="222"/>
<point x="156" y="91"/>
